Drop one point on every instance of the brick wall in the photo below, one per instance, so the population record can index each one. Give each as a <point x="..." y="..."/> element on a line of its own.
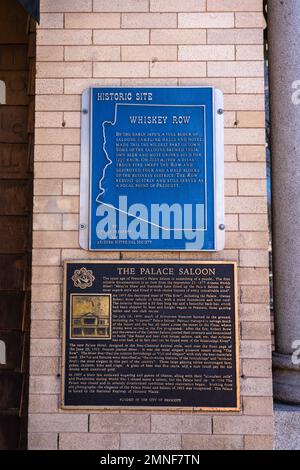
<point x="149" y="42"/>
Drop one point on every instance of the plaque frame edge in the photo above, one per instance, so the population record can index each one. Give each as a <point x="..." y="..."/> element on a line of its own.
<point x="85" y="159"/>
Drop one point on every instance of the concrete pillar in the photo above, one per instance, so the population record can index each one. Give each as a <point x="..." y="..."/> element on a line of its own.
<point x="284" y="60"/>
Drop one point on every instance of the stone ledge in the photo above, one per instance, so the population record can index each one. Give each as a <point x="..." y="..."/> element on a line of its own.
<point x="287" y="425"/>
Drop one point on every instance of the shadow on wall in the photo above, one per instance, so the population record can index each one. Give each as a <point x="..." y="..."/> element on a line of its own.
<point x="2" y="353"/>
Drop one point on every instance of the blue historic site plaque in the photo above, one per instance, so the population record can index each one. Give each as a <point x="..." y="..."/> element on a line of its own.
<point x="152" y="169"/>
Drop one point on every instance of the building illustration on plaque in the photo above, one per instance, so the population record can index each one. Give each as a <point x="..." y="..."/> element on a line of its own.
<point x="90" y="316"/>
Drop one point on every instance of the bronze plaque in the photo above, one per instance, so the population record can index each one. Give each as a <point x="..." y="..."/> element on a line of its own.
<point x="150" y="335"/>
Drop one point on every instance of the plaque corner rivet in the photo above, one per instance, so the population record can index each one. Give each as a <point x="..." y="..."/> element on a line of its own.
<point x="84" y="111"/>
<point x="220" y="111"/>
<point x="222" y="227"/>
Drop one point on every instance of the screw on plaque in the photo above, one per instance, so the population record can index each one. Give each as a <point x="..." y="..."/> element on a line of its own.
<point x="82" y="226"/>
<point x="220" y="111"/>
<point x="85" y="111"/>
<point x="222" y="227"/>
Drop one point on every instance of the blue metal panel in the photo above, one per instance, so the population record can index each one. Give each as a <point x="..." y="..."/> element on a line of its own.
<point x="152" y="169"/>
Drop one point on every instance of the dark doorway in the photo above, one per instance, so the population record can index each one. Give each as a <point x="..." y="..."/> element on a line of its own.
<point x="17" y="73"/>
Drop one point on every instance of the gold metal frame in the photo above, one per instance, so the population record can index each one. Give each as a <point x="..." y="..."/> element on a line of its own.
<point x="151" y="408"/>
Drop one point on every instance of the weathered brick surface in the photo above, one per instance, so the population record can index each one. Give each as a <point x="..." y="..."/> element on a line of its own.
<point x="50" y="53"/>
<point x="252" y="222"/>
<point x="178" y="69"/>
<point x="59" y="422"/>
<point x="253" y="330"/>
<point x="42" y="441"/>
<point x="49" y="86"/>
<point x="250" y="20"/>
<point x="177" y="5"/>
<point x="178" y="36"/>
<point x="42" y="329"/>
<point x="254" y="312"/>
<point x="198" y="442"/>
<point x="52" y="20"/>
<point x="56" y="37"/>
<point x="70" y="221"/>
<point x="257" y="367"/>
<point x="150" y="441"/>
<point x="257" y="387"/>
<point x="46" y="257"/>
<point x="47" y="222"/>
<point x="250" y="85"/>
<point x="54" y="239"/>
<point x="88" y="441"/>
<point x="255" y="258"/>
<point x="57" y="103"/>
<point x="181" y="424"/>
<point x="259" y="442"/>
<point x="235" y="36"/>
<point x="46" y="310"/>
<point x="91" y="21"/>
<point x="45" y="347"/>
<point x="120" y="423"/>
<point x="83" y="43"/>
<point x="121" y="5"/>
<point x="48" y="153"/>
<point x="118" y="69"/>
<point x="67" y="5"/>
<point x="122" y="36"/>
<point x="42" y="293"/>
<point x="233" y="5"/>
<point x="258" y="406"/>
<point x="149" y="20"/>
<point x="206" y="20"/>
<point x="245" y="102"/>
<point x="44" y="365"/>
<point x="255" y="349"/>
<point x="44" y="385"/>
<point x="243" y="425"/>
<point x="43" y="404"/>
<point x="47" y="187"/>
<point x="254" y="276"/>
<point x="206" y="52"/>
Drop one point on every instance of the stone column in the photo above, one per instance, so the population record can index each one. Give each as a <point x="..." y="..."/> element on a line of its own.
<point x="284" y="33"/>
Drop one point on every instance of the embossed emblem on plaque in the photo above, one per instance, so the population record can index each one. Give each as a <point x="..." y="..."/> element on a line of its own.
<point x="83" y="278"/>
